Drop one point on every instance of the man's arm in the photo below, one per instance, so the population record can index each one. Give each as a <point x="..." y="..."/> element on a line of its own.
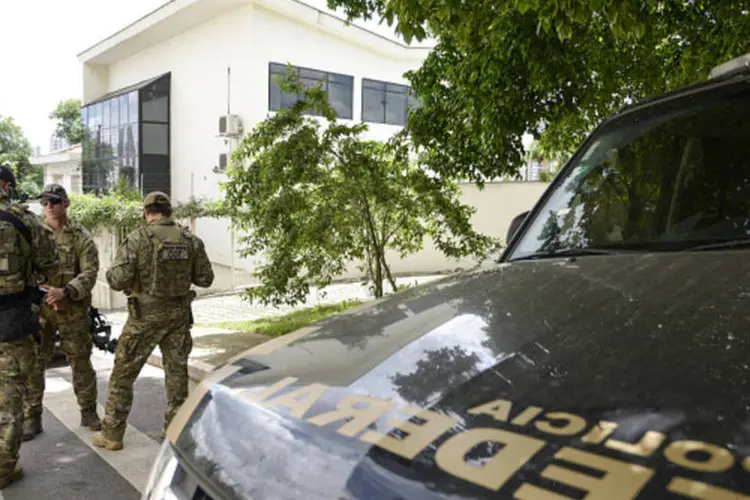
<point x="45" y="257"/>
<point x="203" y="273"/>
<point x="121" y="276"/>
<point x="88" y="262"/>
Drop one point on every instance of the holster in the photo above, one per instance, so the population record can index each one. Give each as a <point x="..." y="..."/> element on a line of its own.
<point x="134" y="307"/>
<point x="19" y="318"/>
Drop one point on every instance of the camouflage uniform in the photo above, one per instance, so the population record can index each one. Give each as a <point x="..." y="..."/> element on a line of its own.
<point x="79" y="267"/>
<point x="157" y="278"/>
<point x="21" y="268"/>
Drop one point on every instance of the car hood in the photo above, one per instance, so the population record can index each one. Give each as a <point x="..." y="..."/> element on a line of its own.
<point x="621" y="376"/>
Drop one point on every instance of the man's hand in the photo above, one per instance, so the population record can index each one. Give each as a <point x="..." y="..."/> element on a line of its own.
<point x="54" y="295"/>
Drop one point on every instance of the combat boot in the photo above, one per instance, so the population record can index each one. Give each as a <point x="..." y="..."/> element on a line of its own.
<point x="108" y="444"/>
<point x="31" y="427"/>
<point x="90" y="419"/>
<point x="14" y="476"/>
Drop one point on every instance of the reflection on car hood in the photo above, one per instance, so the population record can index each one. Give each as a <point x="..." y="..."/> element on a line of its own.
<point x="619" y="375"/>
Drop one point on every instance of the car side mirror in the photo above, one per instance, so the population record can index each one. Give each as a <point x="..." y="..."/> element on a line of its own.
<point x="514" y="225"/>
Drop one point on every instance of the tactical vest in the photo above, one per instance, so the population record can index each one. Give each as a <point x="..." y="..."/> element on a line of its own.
<point x="15" y="254"/>
<point x="172" y="262"/>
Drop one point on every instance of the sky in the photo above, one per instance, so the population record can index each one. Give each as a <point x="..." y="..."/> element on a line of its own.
<point x="40" y="41"/>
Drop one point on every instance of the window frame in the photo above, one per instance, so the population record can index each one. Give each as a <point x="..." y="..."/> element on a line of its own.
<point x="409" y="97"/>
<point x="326" y="75"/>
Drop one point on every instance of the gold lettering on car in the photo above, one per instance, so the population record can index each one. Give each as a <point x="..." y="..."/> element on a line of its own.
<point x="646" y="447"/>
<point x="702" y="491"/>
<point x="527" y="415"/>
<point x="621" y="480"/>
<point x="358" y="419"/>
<point x="255" y="396"/>
<point x="419" y="435"/>
<point x="299" y="401"/>
<point x="719" y="459"/>
<point x="498" y="409"/>
<point x="599" y="432"/>
<point x="516" y="451"/>
<point x="571" y="424"/>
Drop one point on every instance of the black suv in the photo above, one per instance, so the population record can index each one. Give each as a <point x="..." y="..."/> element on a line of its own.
<point x="606" y="356"/>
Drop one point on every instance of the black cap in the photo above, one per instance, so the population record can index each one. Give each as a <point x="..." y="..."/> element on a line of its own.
<point x="6" y="174"/>
<point x="54" y="191"/>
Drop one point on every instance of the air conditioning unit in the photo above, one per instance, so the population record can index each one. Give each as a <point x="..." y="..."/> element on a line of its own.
<point x="230" y="125"/>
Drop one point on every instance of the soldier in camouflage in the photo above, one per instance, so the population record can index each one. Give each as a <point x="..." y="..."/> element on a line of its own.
<point x="155" y="266"/>
<point x="66" y="310"/>
<point x="28" y="254"/>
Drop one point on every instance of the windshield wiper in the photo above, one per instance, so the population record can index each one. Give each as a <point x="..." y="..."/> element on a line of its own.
<point x="723" y="245"/>
<point x="571" y="252"/>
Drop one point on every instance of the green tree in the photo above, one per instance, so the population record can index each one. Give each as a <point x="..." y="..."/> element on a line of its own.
<point x="502" y="68"/>
<point x="312" y="195"/>
<point x="15" y="148"/>
<point x="68" y="116"/>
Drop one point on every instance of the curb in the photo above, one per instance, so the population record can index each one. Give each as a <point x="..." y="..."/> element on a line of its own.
<point x="197" y="370"/>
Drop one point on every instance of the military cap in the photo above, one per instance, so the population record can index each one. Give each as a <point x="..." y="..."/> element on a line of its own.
<point x="7" y="175"/>
<point x="54" y="192"/>
<point x="156" y="198"/>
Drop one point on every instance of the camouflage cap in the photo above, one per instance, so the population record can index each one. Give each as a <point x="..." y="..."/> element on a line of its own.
<point x="55" y="192"/>
<point x="156" y="198"/>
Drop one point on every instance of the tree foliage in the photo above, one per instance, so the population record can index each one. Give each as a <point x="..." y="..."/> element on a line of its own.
<point x="69" y="124"/>
<point x="502" y="68"/>
<point x="15" y="148"/>
<point x="313" y="195"/>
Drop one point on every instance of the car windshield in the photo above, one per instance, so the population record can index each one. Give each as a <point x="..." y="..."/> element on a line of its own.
<point x="672" y="177"/>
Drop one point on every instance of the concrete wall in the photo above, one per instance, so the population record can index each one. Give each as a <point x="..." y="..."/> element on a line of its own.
<point x="496" y="206"/>
<point x="246" y="40"/>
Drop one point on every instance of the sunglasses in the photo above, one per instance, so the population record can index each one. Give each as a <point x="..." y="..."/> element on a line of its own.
<point x="53" y="201"/>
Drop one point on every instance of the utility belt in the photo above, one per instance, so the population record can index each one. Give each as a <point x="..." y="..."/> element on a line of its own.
<point x="140" y="304"/>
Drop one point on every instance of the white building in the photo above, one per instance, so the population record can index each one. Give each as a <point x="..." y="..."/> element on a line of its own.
<point x="156" y="93"/>
<point x="62" y="166"/>
<point x="160" y="95"/>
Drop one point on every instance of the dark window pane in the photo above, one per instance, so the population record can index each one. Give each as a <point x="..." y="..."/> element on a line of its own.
<point x="373" y="106"/>
<point x="395" y="108"/>
<point x="155" y="139"/>
<point x="105" y="114"/>
<point x="372" y="84"/>
<point x="133" y="107"/>
<point x="115" y="113"/>
<point x="155" y="108"/>
<point x="340" y="97"/>
<point x="123" y="110"/>
<point x="155" y="173"/>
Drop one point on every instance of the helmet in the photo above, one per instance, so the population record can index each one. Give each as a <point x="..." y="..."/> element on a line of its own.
<point x="7" y="175"/>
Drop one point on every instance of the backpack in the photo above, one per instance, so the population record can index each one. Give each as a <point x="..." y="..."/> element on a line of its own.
<point x="15" y="254"/>
<point x="172" y="262"/>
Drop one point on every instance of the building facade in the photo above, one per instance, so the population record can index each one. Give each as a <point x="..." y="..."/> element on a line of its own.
<point x="167" y="99"/>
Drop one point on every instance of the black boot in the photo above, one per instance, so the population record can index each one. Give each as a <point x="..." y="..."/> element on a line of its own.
<point x="31" y="427"/>
<point x="90" y="419"/>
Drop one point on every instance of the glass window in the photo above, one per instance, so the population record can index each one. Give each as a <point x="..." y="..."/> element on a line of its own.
<point x="340" y="89"/>
<point x="115" y="113"/>
<point x="155" y="139"/>
<point x="669" y="177"/>
<point x="155" y="108"/>
<point x="133" y="107"/>
<point x="384" y="102"/>
<point x="105" y="114"/>
<point x="123" y="103"/>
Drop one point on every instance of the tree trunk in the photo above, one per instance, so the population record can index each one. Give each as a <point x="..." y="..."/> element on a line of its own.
<point x="388" y="272"/>
<point x="378" y="274"/>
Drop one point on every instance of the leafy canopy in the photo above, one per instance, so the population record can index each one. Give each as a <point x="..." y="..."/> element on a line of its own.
<point x="554" y="68"/>
<point x="15" y="148"/>
<point x="313" y="195"/>
<point x="69" y="124"/>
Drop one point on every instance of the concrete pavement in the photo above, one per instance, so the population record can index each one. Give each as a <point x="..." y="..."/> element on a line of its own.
<point x="213" y="346"/>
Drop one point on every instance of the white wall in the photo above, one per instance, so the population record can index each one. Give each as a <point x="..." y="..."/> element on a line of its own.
<point x="245" y="39"/>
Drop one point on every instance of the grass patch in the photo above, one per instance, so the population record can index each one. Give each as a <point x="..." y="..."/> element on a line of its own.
<point x="275" y="326"/>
